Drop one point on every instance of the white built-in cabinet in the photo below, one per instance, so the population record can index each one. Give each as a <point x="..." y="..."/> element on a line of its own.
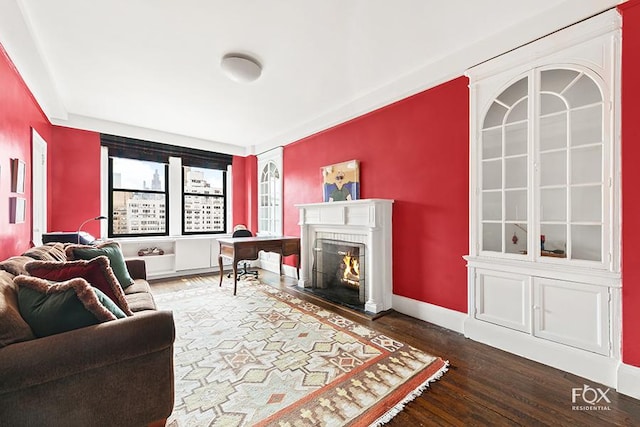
<point x="180" y="255"/>
<point x="544" y="276"/>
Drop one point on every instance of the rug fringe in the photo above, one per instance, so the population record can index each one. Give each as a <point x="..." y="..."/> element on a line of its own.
<point x="411" y="396"/>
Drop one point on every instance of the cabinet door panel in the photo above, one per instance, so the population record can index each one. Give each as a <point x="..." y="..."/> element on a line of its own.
<point x="572" y="313"/>
<point x="503" y="299"/>
<point x="193" y="254"/>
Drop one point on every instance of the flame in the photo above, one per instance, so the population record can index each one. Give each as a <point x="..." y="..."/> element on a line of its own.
<point x="351" y="273"/>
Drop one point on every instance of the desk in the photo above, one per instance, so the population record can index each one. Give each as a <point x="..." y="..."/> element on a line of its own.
<point x="247" y="248"/>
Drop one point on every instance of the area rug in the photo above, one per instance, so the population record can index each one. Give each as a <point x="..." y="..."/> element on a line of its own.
<point x="267" y="358"/>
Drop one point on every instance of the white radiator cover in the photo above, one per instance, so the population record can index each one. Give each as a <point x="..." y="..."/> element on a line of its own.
<point x="366" y="221"/>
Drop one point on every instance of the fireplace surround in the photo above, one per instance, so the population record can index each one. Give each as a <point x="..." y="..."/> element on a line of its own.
<point x="367" y="222"/>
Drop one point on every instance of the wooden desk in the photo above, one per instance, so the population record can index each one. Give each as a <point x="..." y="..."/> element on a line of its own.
<point x="247" y="248"/>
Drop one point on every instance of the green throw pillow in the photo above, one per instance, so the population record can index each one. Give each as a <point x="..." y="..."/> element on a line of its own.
<point x="52" y="308"/>
<point x="112" y="251"/>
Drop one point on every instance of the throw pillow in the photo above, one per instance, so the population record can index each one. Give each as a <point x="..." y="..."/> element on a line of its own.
<point x="13" y="328"/>
<point x="53" y="251"/>
<point x="109" y="249"/>
<point x="95" y="271"/>
<point x="15" y="264"/>
<point x="53" y="308"/>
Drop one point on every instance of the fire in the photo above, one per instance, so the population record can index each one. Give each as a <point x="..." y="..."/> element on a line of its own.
<point x="351" y="273"/>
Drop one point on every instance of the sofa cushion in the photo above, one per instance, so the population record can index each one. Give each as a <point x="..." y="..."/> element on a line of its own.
<point x="13" y="328"/>
<point x="15" y="264"/>
<point x="52" y="308"/>
<point x="140" y="301"/>
<point x="48" y="252"/>
<point x="96" y="271"/>
<point x="139" y="285"/>
<point x="109" y="249"/>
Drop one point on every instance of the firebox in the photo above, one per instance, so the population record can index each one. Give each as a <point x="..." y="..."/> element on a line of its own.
<point x="339" y="272"/>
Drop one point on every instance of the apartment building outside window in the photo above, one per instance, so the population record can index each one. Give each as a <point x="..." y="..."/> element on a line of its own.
<point x="138" y="197"/>
<point x="204" y="200"/>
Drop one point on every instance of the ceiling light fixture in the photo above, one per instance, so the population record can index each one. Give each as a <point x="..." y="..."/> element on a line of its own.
<point x="240" y="67"/>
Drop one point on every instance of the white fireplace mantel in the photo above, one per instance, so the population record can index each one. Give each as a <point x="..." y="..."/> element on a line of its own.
<point x="367" y="221"/>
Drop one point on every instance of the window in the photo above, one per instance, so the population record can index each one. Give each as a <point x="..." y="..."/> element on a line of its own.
<point x="270" y="193"/>
<point x="204" y="200"/>
<point x="157" y="189"/>
<point x="138" y="197"/>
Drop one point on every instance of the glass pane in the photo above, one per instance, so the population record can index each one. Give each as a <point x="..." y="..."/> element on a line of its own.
<point x="586" y="203"/>
<point x="553" y="204"/>
<point x="515" y="204"/>
<point x="586" y="165"/>
<point x="553" y="168"/>
<point x="583" y="92"/>
<point x="586" y="242"/>
<point x="131" y="174"/>
<point x="495" y="116"/>
<point x="586" y="126"/>
<point x="492" y="205"/>
<point x="492" y="175"/>
<point x="492" y="237"/>
<point x="553" y="132"/>
<point x="556" y="80"/>
<point x="518" y="113"/>
<point x="515" y="238"/>
<point x="203" y="214"/>
<point x="515" y="92"/>
<point x="554" y="237"/>
<point x="203" y="181"/>
<point x="492" y="143"/>
<point x="515" y="139"/>
<point x="138" y="213"/>
<point x="551" y="104"/>
<point x="515" y="172"/>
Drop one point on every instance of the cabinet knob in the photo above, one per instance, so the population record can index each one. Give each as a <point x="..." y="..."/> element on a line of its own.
<point x="536" y="307"/>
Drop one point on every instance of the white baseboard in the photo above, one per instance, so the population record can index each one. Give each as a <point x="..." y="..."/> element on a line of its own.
<point x="595" y="367"/>
<point x="629" y="380"/>
<point x="431" y="313"/>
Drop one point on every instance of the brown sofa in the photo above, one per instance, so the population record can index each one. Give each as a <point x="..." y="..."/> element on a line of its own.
<point x="116" y="373"/>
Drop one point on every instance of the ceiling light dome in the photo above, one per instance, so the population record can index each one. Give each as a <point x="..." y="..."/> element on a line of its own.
<point x="240" y="67"/>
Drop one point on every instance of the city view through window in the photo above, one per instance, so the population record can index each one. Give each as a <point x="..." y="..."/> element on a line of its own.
<point x="204" y="202"/>
<point x="139" y="198"/>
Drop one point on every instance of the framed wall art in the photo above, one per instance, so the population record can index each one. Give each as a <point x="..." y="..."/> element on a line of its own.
<point x="341" y="181"/>
<point x="18" y="170"/>
<point x="17" y="209"/>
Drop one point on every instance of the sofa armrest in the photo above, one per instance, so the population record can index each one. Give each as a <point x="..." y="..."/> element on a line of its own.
<point x="48" y="359"/>
<point x="137" y="268"/>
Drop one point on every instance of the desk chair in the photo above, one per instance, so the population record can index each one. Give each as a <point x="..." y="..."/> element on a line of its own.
<point x="241" y="231"/>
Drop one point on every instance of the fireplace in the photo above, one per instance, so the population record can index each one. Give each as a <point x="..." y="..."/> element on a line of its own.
<point x="362" y="226"/>
<point x="339" y="272"/>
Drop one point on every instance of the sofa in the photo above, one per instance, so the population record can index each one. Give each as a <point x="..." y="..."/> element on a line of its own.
<point x="113" y="373"/>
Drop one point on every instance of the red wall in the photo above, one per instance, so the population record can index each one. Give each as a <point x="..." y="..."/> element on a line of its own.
<point x="630" y="180"/>
<point x="74" y="174"/>
<point x="416" y="152"/>
<point x="245" y="192"/>
<point x="19" y="112"/>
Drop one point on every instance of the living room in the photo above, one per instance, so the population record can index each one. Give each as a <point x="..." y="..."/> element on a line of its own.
<point x="414" y="150"/>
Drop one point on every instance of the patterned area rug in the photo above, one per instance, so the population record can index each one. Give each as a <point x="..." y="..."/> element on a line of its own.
<point x="267" y="358"/>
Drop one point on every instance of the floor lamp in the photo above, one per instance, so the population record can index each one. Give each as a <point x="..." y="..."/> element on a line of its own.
<point x="98" y="218"/>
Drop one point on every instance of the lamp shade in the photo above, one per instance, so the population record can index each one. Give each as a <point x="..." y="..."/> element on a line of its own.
<point x="241" y="68"/>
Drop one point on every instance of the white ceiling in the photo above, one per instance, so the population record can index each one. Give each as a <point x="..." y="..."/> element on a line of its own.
<point x="150" y="69"/>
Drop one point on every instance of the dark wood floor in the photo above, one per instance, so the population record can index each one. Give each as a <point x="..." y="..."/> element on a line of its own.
<point x="484" y="386"/>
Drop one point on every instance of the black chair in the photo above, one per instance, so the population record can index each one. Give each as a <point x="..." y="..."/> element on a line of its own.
<point x="243" y="269"/>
